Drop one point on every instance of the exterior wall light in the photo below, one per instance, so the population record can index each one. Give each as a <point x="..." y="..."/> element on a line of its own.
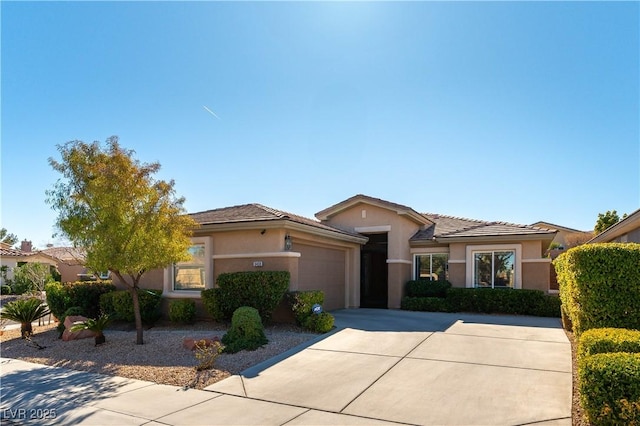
<point x="287" y="242"/>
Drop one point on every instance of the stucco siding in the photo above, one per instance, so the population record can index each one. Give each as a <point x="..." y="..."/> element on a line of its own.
<point x="399" y="274"/>
<point x="536" y="276"/>
<point x="457" y="274"/>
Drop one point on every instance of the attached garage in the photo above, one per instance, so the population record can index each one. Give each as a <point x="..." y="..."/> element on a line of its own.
<point x="322" y="268"/>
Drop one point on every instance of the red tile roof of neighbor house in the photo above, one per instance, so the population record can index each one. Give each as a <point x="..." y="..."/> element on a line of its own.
<point x="9" y="251"/>
<point x="258" y="213"/>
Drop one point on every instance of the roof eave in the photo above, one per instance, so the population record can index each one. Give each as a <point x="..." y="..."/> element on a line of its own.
<point x="280" y="223"/>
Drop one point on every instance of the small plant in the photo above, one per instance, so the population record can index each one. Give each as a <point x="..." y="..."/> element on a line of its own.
<point x="96" y="325"/>
<point x="319" y="323"/>
<point x="25" y="311"/>
<point x="246" y="332"/>
<point x="206" y="354"/>
<point x="182" y="311"/>
<point x="5" y="289"/>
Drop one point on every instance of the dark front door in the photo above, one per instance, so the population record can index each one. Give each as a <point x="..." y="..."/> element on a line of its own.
<point x="373" y="272"/>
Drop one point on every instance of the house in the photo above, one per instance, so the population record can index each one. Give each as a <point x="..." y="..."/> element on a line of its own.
<point x="566" y="237"/>
<point x="70" y="262"/>
<point x="11" y="258"/>
<point x="625" y="231"/>
<point x="360" y="251"/>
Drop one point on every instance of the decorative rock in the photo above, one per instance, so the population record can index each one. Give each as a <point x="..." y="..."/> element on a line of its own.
<point x="75" y="335"/>
<point x="190" y="342"/>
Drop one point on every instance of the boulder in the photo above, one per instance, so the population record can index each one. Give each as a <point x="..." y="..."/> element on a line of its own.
<point x="75" y="335"/>
<point x="190" y="342"/>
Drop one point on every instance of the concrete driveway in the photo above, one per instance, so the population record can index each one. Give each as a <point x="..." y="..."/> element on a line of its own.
<point x="378" y="367"/>
<point x="423" y="368"/>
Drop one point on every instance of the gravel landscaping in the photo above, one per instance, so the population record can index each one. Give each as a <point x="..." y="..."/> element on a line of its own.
<point x="162" y="358"/>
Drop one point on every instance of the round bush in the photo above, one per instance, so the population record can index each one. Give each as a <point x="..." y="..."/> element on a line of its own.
<point x="5" y="289"/>
<point x="246" y="332"/>
<point x="321" y="323"/>
<point x="182" y="311"/>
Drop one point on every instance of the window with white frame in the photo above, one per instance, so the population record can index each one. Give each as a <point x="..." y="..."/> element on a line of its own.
<point x="191" y="275"/>
<point x="494" y="269"/>
<point x="431" y="266"/>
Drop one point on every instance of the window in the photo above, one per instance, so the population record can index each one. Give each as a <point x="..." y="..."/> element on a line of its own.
<point x="432" y="266"/>
<point x="191" y="275"/>
<point x="494" y="269"/>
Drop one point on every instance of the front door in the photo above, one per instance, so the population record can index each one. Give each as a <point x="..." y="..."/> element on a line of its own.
<point x="373" y="272"/>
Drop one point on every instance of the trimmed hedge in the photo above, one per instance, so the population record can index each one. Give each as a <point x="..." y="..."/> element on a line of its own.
<point x="427" y="288"/>
<point x="84" y="294"/>
<point x="503" y="301"/>
<point x="608" y="340"/>
<point x="425" y="304"/>
<point x="119" y="305"/>
<point x="488" y="301"/>
<point x="246" y="332"/>
<point x="600" y="285"/>
<point x="182" y="311"/>
<point x="302" y="302"/>
<point x="262" y="290"/>
<point x="610" y="388"/>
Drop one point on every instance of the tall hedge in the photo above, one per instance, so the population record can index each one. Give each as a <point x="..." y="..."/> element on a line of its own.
<point x="83" y="294"/>
<point x="262" y="290"/>
<point x="600" y="285"/>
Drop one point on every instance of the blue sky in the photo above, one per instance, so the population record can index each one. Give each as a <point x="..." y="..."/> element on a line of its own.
<point x="513" y="111"/>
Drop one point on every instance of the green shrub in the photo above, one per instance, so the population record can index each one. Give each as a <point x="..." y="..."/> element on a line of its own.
<point x="427" y="288"/>
<point x="119" y="305"/>
<point x="210" y="299"/>
<point x="604" y="340"/>
<point x="610" y="388"/>
<point x="319" y="323"/>
<point x="24" y="311"/>
<point x="302" y="302"/>
<point x="600" y="285"/>
<point x="246" y="332"/>
<point x="182" y="311"/>
<point x="503" y="301"/>
<point x="262" y="290"/>
<point x="5" y="289"/>
<point x="424" y="304"/>
<point x="85" y="294"/>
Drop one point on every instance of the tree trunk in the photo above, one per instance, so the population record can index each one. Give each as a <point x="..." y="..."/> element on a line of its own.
<point x="136" y="314"/>
<point x="26" y="329"/>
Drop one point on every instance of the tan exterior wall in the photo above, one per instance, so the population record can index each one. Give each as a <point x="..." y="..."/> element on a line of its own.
<point x="69" y="273"/>
<point x="369" y="219"/>
<point x="457" y="274"/>
<point x="399" y="274"/>
<point x="536" y="275"/>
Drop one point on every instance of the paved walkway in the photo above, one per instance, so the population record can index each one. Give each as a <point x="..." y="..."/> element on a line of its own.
<point x="378" y="367"/>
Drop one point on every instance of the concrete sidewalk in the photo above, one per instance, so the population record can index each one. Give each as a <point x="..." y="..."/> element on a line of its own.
<point x="379" y="367"/>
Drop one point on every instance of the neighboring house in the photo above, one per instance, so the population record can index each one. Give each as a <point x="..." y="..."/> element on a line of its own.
<point x="625" y="231"/>
<point x="566" y="237"/>
<point x="70" y="262"/>
<point x="360" y="252"/>
<point x="13" y="258"/>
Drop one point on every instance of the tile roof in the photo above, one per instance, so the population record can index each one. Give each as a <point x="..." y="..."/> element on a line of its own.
<point x="258" y="213"/>
<point x="456" y="227"/>
<point x="7" y="251"/>
<point x="65" y="254"/>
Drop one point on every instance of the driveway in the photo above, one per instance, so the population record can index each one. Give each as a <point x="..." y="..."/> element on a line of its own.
<point x="423" y="368"/>
<point x="378" y="367"/>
